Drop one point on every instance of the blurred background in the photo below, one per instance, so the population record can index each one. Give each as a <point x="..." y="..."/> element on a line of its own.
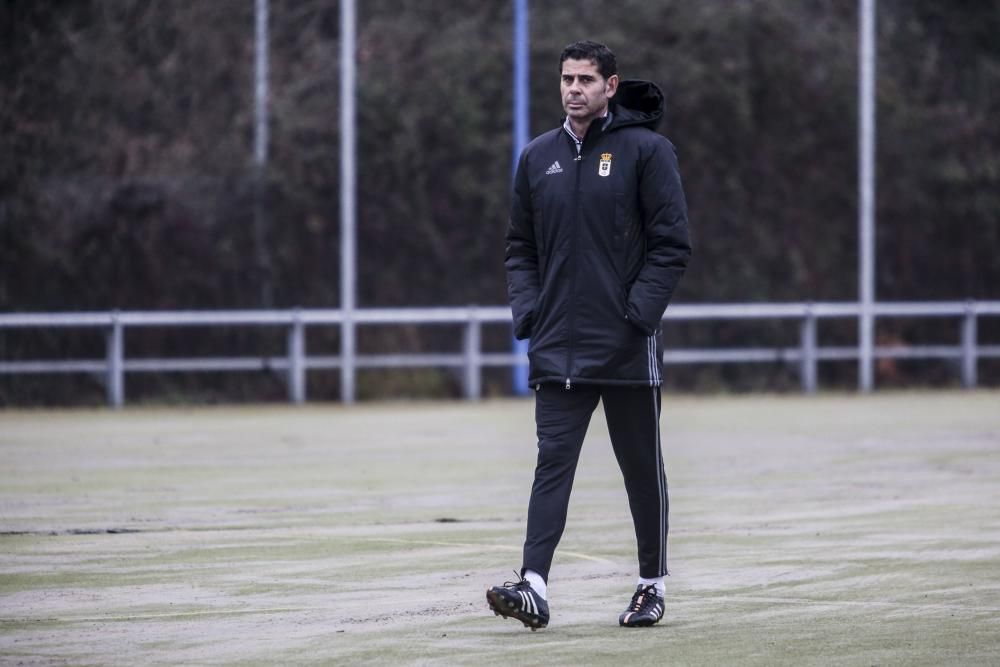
<point x="128" y="180"/>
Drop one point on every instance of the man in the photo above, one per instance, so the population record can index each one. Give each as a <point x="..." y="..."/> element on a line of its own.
<point x="597" y="242"/>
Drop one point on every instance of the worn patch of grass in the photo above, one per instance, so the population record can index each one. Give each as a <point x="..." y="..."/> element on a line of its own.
<point x="825" y="530"/>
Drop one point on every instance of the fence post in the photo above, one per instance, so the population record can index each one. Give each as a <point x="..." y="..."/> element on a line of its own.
<point x="807" y="362"/>
<point x="296" y="360"/>
<point x="116" y="363"/>
<point x="473" y="360"/>
<point x="348" y="353"/>
<point x="969" y="355"/>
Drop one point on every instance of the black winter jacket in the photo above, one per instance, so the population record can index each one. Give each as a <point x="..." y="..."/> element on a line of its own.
<point x="596" y="246"/>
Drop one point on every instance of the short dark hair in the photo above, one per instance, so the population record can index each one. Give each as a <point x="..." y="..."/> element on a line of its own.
<point x="596" y="53"/>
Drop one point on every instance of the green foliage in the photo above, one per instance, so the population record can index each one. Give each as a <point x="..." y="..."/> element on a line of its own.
<point x="127" y="176"/>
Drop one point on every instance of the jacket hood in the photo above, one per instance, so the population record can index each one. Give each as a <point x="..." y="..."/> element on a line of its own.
<point x="637" y="103"/>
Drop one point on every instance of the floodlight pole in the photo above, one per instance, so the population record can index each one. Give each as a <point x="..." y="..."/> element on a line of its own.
<point x="348" y="212"/>
<point x="866" y="192"/>
<point x="260" y="83"/>
<point x="520" y="140"/>
<point x="260" y="142"/>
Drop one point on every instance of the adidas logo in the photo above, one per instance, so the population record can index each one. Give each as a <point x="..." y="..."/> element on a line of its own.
<point x="554" y="169"/>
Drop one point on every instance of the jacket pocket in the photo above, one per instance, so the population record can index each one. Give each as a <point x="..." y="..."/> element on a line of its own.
<point x="623" y="231"/>
<point x="633" y="318"/>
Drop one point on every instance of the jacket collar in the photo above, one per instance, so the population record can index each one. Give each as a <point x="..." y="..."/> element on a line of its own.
<point x="608" y="116"/>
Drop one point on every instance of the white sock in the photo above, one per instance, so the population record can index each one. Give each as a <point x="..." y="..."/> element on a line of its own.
<point x="537" y="583"/>
<point x="661" y="588"/>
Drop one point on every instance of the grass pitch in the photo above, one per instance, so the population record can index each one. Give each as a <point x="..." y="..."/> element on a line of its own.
<point x="829" y="530"/>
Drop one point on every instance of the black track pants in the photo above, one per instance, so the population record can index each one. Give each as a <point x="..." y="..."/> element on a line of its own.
<point x="561" y="418"/>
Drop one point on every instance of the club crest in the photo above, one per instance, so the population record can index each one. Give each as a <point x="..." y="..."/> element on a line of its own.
<point x="604" y="168"/>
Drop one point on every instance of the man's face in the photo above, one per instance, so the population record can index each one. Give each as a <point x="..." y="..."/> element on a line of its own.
<point x="585" y="93"/>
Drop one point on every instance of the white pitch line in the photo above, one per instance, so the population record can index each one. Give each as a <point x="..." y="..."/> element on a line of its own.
<point x="831" y="603"/>
<point x="472" y="545"/>
<point x="171" y="614"/>
<point x="682" y="596"/>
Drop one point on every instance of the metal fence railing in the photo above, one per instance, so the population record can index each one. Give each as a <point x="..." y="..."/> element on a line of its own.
<point x="471" y="359"/>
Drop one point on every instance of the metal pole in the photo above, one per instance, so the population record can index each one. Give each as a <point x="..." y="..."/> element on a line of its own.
<point x="866" y="192"/>
<point x="260" y="142"/>
<point x="296" y="360"/>
<point x="348" y="147"/>
<point x="473" y="360"/>
<point x="807" y="368"/>
<point x="969" y="343"/>
<point x="116" y="363"/>
<point x="520" y="140"/>
<point x="260" y="138"/>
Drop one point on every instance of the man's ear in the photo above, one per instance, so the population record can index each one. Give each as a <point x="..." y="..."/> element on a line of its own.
<point x="611" y="86"/>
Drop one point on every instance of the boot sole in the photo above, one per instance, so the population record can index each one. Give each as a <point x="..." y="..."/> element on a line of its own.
<point x="502" y="608"/>
<point x="644" y="623"/>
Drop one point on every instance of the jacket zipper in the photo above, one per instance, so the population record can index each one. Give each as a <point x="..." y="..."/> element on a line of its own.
<point x="572" y="277"/>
